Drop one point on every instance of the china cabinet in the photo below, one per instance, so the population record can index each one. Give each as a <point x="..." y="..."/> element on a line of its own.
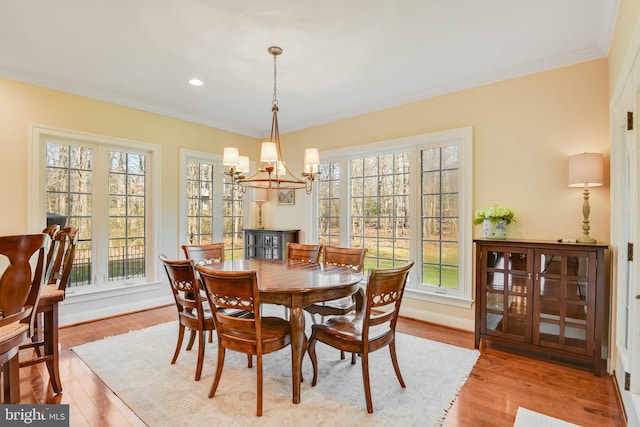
<point x="267" y="244"/>
<point x="545" y="297"/>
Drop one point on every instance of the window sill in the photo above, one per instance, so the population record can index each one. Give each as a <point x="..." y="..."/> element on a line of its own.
<point x="445" y="299"/>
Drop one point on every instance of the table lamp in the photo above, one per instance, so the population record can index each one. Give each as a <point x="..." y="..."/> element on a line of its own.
<point x="585" y="170"/>
<point x="260" y="195"/>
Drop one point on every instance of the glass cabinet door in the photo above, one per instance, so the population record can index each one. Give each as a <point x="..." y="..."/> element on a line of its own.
<point x="507" y="292"/>
<point x="565" y="300"/>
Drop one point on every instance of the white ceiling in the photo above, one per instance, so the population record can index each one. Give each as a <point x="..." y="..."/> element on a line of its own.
<point x="341" y="57"/>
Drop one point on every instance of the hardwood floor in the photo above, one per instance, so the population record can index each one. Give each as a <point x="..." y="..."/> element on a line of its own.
<point x="499" y="383"/>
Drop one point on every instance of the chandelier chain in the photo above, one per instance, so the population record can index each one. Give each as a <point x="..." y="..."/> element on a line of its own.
<point x="275" y="82"/>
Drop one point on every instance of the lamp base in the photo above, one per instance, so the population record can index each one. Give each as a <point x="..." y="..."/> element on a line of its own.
<point x="586" y="239"/>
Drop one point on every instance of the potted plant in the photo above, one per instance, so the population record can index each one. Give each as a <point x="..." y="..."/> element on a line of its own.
<point x="495" y="220"/>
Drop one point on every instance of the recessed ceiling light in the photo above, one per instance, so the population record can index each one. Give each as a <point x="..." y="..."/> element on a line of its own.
<point x="196" y="82"/>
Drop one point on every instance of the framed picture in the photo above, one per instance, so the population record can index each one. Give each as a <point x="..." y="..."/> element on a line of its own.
<point x="286" y="197"/>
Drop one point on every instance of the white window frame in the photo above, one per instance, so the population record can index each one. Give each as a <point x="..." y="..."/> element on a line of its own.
<point x="37" y="199"/>
<point x="187" y="155"/>
<point x="462" y="297"/>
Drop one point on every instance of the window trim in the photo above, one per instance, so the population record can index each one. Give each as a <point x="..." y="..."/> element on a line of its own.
<point x="36" y="200"/>
<point x="218" y="193"/>
<point x="462" y="136"/>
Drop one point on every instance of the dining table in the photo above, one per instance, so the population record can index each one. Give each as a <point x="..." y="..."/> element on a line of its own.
<point x="296" y="285"/>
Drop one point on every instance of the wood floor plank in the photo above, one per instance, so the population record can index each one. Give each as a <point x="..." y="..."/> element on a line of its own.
<point x="498" y="384"/>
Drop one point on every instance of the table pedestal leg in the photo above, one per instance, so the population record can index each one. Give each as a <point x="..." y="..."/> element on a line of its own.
<point x="297" y="345"/>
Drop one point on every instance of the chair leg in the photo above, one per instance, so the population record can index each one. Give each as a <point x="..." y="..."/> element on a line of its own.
<point x="11" y="380"/>
<point x="179" y="344"/>
<point x="311" y="349"/>
<point x="249" y="361"/>
<point x="192" y="339"/>
<point x="37" y="333"/>
<point x="365" y="380"/>
<point x="353" y="358"/>
<point x="259" y="385"/>
<point x="394" y="360"/>
<point x="51" y="346"/>
<point x="201" y="344"/>
<point x="216" y="379"/>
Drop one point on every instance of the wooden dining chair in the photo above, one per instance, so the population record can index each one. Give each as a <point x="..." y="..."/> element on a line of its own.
<point x="51" y="231"/>
<point x="19" y="295"/>
<point x="192" y="313"/>
<point x="366" y="331"/>
<point x="254" y="334"/>
<point x="345" y="257"/>
<point x="299" y="252"/>
<point x="45" y="338"/>
<point x="213" y="252"/>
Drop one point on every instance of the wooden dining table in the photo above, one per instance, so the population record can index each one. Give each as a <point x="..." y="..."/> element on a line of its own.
<point x="296" y="285"/>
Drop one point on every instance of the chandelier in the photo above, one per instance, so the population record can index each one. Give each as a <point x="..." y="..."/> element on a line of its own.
<point x="272" y="172"/>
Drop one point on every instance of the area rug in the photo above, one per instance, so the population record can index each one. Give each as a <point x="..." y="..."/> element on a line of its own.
<point x="136" y="366"/>
<point x="527" y="418"/>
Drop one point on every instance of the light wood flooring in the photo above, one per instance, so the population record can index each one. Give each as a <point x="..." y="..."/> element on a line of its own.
<point x="499" y="383"/>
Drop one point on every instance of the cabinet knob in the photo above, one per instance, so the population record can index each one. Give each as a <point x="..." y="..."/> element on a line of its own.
<point x="637" y="296"/>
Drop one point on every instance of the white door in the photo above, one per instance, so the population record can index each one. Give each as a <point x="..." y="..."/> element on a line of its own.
<point x="624" y="176"/>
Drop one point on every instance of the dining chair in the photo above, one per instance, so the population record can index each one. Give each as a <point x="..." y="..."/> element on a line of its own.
<point x="192" y="313"/>
<point x="45" y="337"/>
<point x="345" y="257"/>
<point x="299" y="252"/>
<point x="368" y="330"/>
<point x="212" y="252"/>
<point x="205" y="254"/>
<point x="51" y="231"/>
<point x="19" y="294"/>
<point x="254" y="334"/>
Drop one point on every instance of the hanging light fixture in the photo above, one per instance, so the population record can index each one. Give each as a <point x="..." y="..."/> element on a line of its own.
<point x="272" y="172"/>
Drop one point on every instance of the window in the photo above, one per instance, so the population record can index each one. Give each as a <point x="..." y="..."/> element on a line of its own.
<point x="329" y="204"/>
<point x="379" y="193"/>
<point x="404" y="199"/>
<point x="101" y="186"/>
<point x="214" y="209"/>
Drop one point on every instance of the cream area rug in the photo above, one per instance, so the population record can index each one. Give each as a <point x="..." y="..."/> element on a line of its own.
<point x="136" y="366"/>
<point x="527" y="418"/>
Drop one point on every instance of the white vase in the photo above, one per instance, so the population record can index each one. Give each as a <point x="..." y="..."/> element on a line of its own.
<point x="495" y="231"/>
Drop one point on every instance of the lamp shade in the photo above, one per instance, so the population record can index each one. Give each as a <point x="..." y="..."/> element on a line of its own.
<point x="585" y="169"/>
<point x="269" y="152"/>
<point x="243" y="164"/>
<point x="231" y="157"/>
<point x="311" y="160"/>
<point x="260" y="195"/>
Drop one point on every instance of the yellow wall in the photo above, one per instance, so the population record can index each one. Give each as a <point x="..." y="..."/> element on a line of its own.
<point x="626" y="23"/>
<point x="523" y="128"/>
<point x="23" y="105"/>
<point x="523" y="131"/>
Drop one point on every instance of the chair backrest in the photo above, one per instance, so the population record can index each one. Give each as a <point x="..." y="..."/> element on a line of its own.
<point x="213" y="252"/>
<point x="298" y="252"/>
<point x="20" y="285"/>
<point x="385" y="288"/>
<point x="51" y="231"/>
<point x="347" y="257"/>
<point x="235" y="290"/>
<point x="184" y="286"/>
<point x="67" y="239"/>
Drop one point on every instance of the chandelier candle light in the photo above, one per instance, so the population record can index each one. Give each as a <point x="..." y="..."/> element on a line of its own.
<point x="585" y="170"/>
<point x="272" y="172"/>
